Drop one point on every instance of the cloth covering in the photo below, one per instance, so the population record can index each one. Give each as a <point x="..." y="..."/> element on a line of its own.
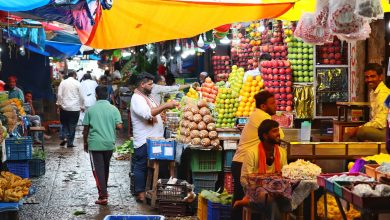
<point x="304" y="188"/>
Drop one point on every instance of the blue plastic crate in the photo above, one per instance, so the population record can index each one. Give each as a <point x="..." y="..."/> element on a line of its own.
<point x="19" y="168"/>
<point x="134" y="217"/>
<point x="229" y="154"/>
<point x="18" y="148"/>
<point x="161" y="149"/>
<point x="217" y="211"/>
<point x="37" y="167"/>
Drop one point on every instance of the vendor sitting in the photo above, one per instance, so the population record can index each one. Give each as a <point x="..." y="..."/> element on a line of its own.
<point x="265" y="158"/>
<point x="375" y="129"/>
<point x="34" y="119"/>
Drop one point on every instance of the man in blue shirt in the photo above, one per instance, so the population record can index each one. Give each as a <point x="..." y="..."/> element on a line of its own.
<point x="13" y="91"/>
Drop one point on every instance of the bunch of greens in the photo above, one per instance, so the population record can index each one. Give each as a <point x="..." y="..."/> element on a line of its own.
<point x="39" y="154"/>
<point x="224" y="198"/>
<point x="126" y="148"/>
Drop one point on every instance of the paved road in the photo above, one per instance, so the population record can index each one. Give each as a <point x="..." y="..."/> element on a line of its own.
<point x="69" y="186"/>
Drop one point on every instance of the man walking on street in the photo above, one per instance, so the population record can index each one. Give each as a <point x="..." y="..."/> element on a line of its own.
<point x="100" y="122"/>
<point x="146" y="122"/>
<point x="69" y="102"/>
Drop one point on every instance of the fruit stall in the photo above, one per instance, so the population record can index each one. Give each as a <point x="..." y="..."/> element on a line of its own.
<point x="309" y="69"/>
<point x="21" y="158"/>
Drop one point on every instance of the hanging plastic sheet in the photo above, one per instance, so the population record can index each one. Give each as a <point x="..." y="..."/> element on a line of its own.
<point x="36" y="36"/>
<point x="21" y="5"/>
<point x="57" y="49"/>
<point x="310" y="5"/>
<point x="304" y="101"/>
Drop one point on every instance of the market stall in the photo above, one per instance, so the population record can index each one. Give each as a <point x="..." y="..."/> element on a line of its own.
<point x="21" y="157"/>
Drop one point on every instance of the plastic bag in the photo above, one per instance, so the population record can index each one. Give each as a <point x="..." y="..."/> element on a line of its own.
<point x="342" y="19"/>
<point x="370" y="9"/>
<point x="363" y="34"/>
<point x="322" y="12"/>
<point x="309" y="32"/>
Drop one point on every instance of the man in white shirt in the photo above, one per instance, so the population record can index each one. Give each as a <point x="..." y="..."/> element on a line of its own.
<point x="160" y="88"/>
<point x="146" y="122"/>
<point x="69" y="103"/>
<point x="88" y="87"/>
<point x="256" y="72"/>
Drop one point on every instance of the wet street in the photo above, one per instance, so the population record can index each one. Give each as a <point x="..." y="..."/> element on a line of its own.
<point x="68" y="190"/>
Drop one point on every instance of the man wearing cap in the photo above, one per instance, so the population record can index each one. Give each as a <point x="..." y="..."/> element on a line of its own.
<point x="2" y="84"/>
<point x="202" y="77"/>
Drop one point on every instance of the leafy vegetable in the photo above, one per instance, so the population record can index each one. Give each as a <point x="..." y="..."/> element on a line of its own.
<point x="224" y="198"/>
<point x="39" y="154"/>
<point x="79" y="212"/>
<point x="126" y="148"/>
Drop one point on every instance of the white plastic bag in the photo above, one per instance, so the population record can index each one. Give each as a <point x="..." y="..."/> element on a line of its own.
<point x="309" y="32"/>
<point x="322" y="12"/>
<point x="369" y="9"/>
<point x="342" y="19"/>
<point x="363" y="34"/>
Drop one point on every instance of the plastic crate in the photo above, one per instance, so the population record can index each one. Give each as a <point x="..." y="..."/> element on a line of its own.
<point x="217" y="211"/>
<point x="172" y="208"/>
<point x="202" y="208"/>
<point x="134" y="217"/>
<point x="171" y="192"/>
<point x="19" y="168"/>
<point x="18" y="148"/>
<point x="37" y="167"/>
<point x="228" y="182"/>
<point x="206" y="161"/>
<point x="205" y="181"/>
<point x="161" y="149"/>
<point x="229" y="154"/>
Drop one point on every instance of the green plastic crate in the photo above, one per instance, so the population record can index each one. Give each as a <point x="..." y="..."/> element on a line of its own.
<point x="206" y="161"/>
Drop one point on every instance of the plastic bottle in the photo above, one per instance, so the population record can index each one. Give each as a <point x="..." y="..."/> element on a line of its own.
<point x="305" y="131"/>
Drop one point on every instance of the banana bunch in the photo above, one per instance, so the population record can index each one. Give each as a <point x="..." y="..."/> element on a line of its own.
<point x="333" y="210"/>
<point x="192" y="93"/>
<point x="19" y="105"/>
<point x="12" y="187"/>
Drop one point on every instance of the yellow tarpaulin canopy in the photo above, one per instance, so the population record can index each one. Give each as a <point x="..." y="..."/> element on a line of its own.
<point x="136" y="22"/>
<point x="309" y="6"/>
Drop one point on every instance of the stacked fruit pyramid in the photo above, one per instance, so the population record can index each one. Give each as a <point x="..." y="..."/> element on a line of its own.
<point x="252" y="85"/>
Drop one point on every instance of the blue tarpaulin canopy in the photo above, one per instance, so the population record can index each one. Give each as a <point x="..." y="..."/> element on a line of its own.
<point x="21" y="5"/>
<point x="62" y="45"/>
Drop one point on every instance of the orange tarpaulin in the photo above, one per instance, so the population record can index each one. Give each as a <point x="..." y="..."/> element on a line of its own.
<point x="136" y="22"/>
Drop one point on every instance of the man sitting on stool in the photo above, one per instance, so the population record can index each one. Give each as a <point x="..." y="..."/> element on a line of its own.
<point x="34" y="119"/>
<point x="375" y="129"/>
